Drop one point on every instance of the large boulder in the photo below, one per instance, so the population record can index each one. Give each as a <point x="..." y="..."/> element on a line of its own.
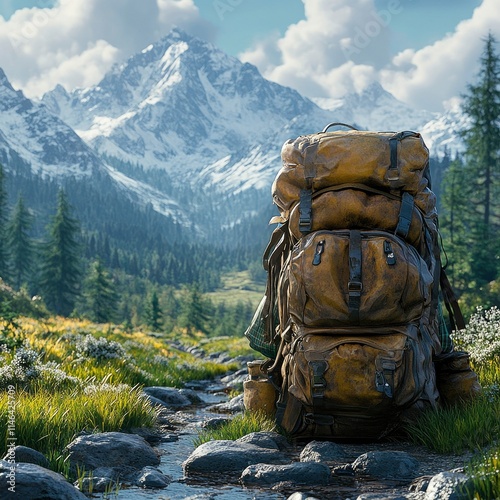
<point x="32" y="482"/>
<point x="265" y="439"/>
<point x="297" y="473"/>
<point x="27" y="455"/>
<point x="220" y="457"/>
<point x="111" y="449"/>
<point x="322" y="451"/>
<point x="395" y="465"/>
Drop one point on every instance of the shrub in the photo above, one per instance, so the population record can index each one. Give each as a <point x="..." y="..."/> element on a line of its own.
<point x="480" y="338"/>
<point x="99" y="348"/>
<point x="26" y="371"/>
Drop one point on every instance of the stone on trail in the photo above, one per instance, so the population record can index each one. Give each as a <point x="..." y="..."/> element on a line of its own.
<point x="111" y="449"/>
<point x="170" y="396"/>
<point x="35" y="482"/>
<point x="322" y="451"/>
<point x="152" y="478"/>
<point x="265" y="439"/>
<point x="224" y="456"/>
<point x="446" y="486"/>
<point x="234" y="405"/>
<point x="28" y="456"/>
<point x="395" y="465"/>
<point x="299" y="473"/>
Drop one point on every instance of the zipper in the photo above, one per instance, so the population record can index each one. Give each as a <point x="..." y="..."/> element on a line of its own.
<point x="390" y="258"/>
<point x="320" y="248"/>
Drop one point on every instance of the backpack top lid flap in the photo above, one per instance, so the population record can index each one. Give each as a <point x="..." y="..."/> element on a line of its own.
<point x="383" y="160"/>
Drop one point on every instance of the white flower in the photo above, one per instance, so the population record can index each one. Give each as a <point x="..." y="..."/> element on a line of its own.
<point x="481" y="337"/>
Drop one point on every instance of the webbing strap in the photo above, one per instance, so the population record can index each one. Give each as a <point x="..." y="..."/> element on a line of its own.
<point x="305" y="203"/>
<point x="405" y="215"/>
<point x="355" y="285"/>
<point x="318" y="382"/>
<point x="456" y="317"/>
<point x="393" y="144"/>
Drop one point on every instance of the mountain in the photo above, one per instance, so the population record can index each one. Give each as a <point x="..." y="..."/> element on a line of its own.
<point x="192" y="134"/>
<point x="183" y="107"/>
<point x="40" y="153"/>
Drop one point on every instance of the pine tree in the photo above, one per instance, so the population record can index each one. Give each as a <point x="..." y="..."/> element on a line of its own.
<point x="195" y="310"/>
<point x="153" y="313"/>
<point x="4" y="254"/>
<point x="60" y="271"/>
<point x="101" y="297"/>
<point x="457" y="224"/>
<point x="20" y="243"/>
<point x="482" y="140"/>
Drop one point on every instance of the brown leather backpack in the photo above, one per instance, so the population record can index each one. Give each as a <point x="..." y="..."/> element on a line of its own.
<point x="353" y="284"/>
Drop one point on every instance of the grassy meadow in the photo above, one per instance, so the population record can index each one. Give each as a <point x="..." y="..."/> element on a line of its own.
<point x="73" y="375"/>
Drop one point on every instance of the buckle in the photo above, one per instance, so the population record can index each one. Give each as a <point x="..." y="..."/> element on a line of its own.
<point x="355" y="286"/>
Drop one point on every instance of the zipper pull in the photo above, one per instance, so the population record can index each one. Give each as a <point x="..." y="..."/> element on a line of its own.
<point x="320" y="248"/>
<point x="389" y="254"/>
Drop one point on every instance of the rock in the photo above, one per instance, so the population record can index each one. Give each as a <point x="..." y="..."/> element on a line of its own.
<point x="216" y="457"/>
<point x="169" y="396"/>
<point x="322" y="451"/>
<point x="235" y="378"/>
<point x="152" y="436"/>
<point x="111" y="449"/>
<point x="234" y="405"/>
<point x="152" y="478"/>
<point x="192" y="395"/>
<point x="446" y="486"/>
<point x="301" y="496"/>
<point x="27" y="455"/>
<point x="299" y="473"/>
<point x="34" y="482"/>
<point x="397" y="465"/>
<point x="344" y="470"/>
<point x="96" y="484"/>
<point x="197" y="385"/>
<point x="271" y="440"/>
<point x="214" y="423"/>
<point x="155" y="401"/>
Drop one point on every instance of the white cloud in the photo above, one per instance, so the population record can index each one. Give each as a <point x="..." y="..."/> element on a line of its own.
<point x="343" y="45"/>
<point x="77" y="41"/>
<point x="335" y="49"/>
<point x="436" y="73"/>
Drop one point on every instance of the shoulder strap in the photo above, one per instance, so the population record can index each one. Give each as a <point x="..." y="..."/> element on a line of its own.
<point x="456" y="317"/>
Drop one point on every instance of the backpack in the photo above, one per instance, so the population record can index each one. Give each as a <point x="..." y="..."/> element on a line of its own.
<point x="350" y="315"/>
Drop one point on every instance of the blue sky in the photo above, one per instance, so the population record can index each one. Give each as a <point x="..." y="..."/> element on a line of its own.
<point x="240" y="23"/>
<point x="423" y="51"/>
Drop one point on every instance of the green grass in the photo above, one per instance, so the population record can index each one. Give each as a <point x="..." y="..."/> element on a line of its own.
<point x="233" y="346"/>
<point x="239" y="426"/>
<point x="485" y="475"/>
<point x="48" y="421"/>
<point x="468" y="426"/>
<point x="454" y="430"/>
<point x="237" y="287"/>
<point x="63" y="389"/>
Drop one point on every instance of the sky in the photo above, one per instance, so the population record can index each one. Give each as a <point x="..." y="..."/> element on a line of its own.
<point x="425" y="52"/>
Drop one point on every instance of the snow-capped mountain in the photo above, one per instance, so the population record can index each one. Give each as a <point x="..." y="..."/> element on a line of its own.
<point x="30" y="134"/>
<point x="185" y="107"/>
<point x="39" y="138"/>
<point x="189" y="131"/>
